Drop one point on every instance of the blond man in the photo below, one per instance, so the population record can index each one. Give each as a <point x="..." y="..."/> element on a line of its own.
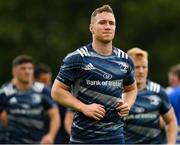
<point x="144" y="124"/>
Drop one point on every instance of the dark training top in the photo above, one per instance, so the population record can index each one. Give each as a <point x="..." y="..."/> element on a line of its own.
<point x="26" y="111"/>
<point x="142" y="123"/>
<point x="97" y="79"/>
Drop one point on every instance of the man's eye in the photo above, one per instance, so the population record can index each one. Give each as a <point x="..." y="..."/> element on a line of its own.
<point x="102" y="22"/>
<point x="111" y="23"/>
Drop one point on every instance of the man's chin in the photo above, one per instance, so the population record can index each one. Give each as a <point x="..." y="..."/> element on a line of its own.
<point x="25" y="81"/>
<point x="106" y="41"/>
<point x="139" y="81"/>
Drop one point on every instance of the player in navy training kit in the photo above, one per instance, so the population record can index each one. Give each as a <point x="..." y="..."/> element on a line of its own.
<point x="99" y="73"/>
<point x="43" y="74"/>
<point x="143" y="124"/>
<point x="3" y="125"/>
<point x="26" y="103"/>
<point x="175" y="95"/>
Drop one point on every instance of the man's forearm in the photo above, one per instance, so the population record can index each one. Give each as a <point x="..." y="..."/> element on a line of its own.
<point x="61" y="94"/>
<point x="129" y="95"/>
<point x="55" y="122"/>
<point x="4" y="118"/>
<point x="171" y="132"/>
<point x="170" y="126"/>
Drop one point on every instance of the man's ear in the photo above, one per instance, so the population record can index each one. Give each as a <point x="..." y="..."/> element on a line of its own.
<point x="13" y="71"/>
<point x="91" y="28"/>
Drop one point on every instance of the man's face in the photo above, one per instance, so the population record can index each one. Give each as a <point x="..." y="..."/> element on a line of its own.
<point x="141" y="70"/>
<point x="173" y="79"/>
<point x="23" y="72"/>
<point x="45" y="78"/>
<point x="103" y="27"/>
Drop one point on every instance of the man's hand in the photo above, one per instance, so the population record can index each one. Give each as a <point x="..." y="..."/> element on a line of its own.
<point x="47" y="139"/>
<point x="122" y="108"/>
<point x="94" y="110"/>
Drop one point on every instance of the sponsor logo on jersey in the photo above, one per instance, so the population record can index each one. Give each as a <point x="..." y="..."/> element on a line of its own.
<point x="139" y="109"/>
<point x="107" y="76"/>
<point x="35" y="111"/>
<point x="114" y="83"/>
<point x="141" y="116"/>
<point x="25" y="106"/>
<point x="89" y="67"/>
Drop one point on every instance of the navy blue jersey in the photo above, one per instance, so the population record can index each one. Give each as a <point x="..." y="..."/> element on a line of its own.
<point x="175" y="101"/>
<point x="143" y="121"/>
<point x="2" y="133"/>
<point x="26" y="111"/>
<point x="62" y="136"/>
<point x="97" y="79"/>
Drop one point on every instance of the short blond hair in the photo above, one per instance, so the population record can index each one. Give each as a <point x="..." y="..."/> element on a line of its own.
<point x="137" y="52"/>
<point x="104" y="8"/>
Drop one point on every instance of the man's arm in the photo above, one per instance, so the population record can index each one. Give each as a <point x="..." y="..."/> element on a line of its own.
<point x="68" y="121"/>
<point x="54" y="126"/>
<point x="60" y="93"/>
<point x="4" y="118"/>
<point x="170" y="126"/>
<point x="128" y="99"/>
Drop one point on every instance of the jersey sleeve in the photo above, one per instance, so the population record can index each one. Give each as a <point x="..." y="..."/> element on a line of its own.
<point x="48" y="102"/>
<point x="70" y="68"/>
<point x="2" y="100"/>
<point x="166" y="105"/>
<point x="130" y="73"/>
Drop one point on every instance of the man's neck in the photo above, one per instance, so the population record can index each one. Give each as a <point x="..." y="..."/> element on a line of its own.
<point x="141" y="86"/>
<point x="102" y="48"/>
<point x="22" y="86"/>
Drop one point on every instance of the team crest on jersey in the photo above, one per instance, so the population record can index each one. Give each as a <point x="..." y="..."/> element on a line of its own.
<point x="154" y="100"/>
<point x="36" y="98"/>
<point x="123" y="66"/>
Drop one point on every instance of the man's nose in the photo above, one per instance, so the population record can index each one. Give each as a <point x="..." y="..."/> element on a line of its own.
<point x="107" y="26"/>
<point x="27" y="70"/>
<point x="141" y="69"/>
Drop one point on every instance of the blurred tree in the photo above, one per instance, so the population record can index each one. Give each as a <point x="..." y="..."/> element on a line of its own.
<point x="49" y="29"/>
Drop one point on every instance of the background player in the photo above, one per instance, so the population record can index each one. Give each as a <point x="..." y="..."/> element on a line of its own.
<point x="143" y="125"/>
<point x="175" y="94"/>
<point x="43" y="74"/>
<point x="26" y="103"/>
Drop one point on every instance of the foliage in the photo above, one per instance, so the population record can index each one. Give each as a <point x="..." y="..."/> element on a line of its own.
<point x="49" y="29"/>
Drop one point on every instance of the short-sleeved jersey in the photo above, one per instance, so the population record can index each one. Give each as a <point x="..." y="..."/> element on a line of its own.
<point x="97" y="79"/>
<point x="175" y="100"/>
<point x="26" y="111"/>
<point x="2" y="133"/>
<point x="143" y="122"/>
